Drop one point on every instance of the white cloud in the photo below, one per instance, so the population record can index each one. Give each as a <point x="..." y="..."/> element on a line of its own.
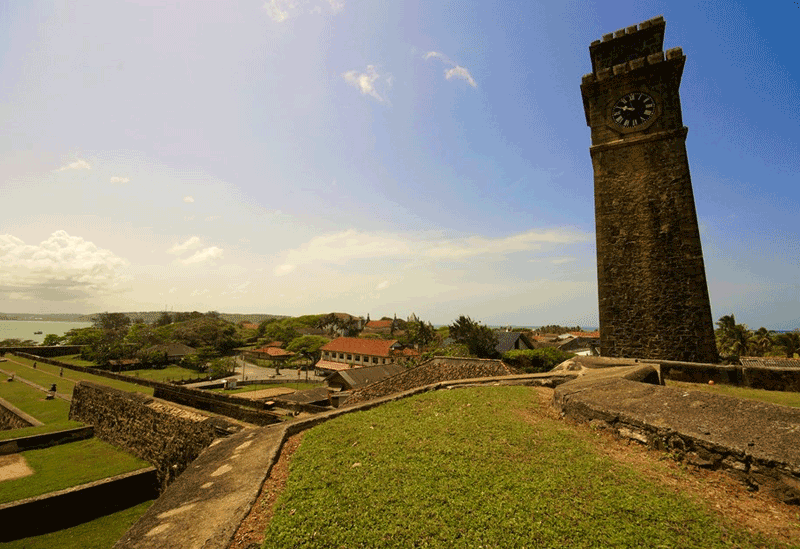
<point x="173" y="290"/>
<point x="196" y="293"/>
<point x="117" y="179"/>
<point x="383" y="285"/>
<point x="206" y="254"/>
<point x="285" y="269"/>
<point x="369" y="82"/>
<point x="462" y="73"/>
<point x="188" y="199"/>
<point x="237" y="291"/>
<point x="282" y="10"/>
<point x="341" y="248"/>
<point x="562" y="260"/>
<point x="191" y="243"/>
<point x="477" y="245"/>
<point x="61" y="268"/>
<point x="77" y="165"/>
<point x="437" y="55"/>
<point x="457" y="71"/>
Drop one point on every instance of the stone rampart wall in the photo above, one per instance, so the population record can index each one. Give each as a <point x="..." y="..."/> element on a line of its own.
<point x="753" y="441"/>
<point x="50" y="351"/>
<point x="433" y="371"/>
<point x="45" y="440"/>
<point x="229" y="406"/>
<point x="771" y="379"/>
<point x="9" y="419"/>
<point x="73" y="506"/>
<point x="166" y="436"/>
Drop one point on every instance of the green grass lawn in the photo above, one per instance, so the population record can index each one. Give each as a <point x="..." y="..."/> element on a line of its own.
<point x="784" y="398"/>
<point x="100" y="533"/>
<point x="68" y="465"/>
<point x="53" y="413"/>
<point x="464" y="468"/>
<point x="171" y="373"/>
<point x="259" y="386"/>
<point x="47" y="374"/>
<point x="76" y="360"/>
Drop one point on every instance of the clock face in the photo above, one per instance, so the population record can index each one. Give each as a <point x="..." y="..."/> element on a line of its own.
<point x="633" y="109"/>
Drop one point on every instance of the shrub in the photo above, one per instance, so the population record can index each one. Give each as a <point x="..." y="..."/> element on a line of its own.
<point x="532" y="361"/>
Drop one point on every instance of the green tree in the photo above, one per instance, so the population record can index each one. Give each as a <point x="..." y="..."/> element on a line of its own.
<point x="790" y="341"/>
<point x="164" y="319"/>
<point x="762" y="341"/>
<point x="112" y="321"/>
<point x="52" y="339"/>
<point x="533" y="361"/>
<point x="420" y="333"/>
<point x="479" y="339"/>
<point x="308" y="346"/>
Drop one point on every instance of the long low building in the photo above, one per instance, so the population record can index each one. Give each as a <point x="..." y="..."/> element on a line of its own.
<point x="352" y="352"/>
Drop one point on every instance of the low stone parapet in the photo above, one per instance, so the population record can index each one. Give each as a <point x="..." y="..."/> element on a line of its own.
<point x="756" y="442"/>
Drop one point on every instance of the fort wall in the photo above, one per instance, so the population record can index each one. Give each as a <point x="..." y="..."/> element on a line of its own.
<point x="162" y="434"/>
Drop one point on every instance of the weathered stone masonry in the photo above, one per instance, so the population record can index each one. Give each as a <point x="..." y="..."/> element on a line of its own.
<point x="653" y="296"/>
<point x="166" y="436"/>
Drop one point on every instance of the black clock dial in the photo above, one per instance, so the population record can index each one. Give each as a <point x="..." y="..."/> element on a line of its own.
<point x="633" y="109"/>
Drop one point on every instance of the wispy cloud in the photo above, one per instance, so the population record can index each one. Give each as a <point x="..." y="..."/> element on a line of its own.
<point x="117" y="179"/>
<point x="190" y="244"/>
<point x="383" y="285"/>
<point x="188" y="199"/>
<point x="77" y="165"/>
<point x="462" y="73"/>
<point x="456" y="70"/>
<point x="237" y="291"/>
<point x="369" y="82"/>
<point x="283" y="10"/>
<point x="61" y="268"/>
<point x="341" y="248"/>
<point x="203" y="256"/>
<point x="474" y="246"/>
<point x="562" y="260"/>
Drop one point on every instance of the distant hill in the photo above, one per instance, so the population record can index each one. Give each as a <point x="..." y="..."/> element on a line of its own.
<point x="148" y="316"/>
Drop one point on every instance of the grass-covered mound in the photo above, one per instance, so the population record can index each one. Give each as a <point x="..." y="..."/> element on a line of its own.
<point x="470" y="468"/>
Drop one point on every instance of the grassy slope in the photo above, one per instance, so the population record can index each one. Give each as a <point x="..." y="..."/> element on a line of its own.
<point x="463" y="468"/>
<point x="784" y="398"/>
<point x="53" y="413"/>
<point x="100" y="533"/>
<point x="67" y="465"/>
<point x="47" y="374"/>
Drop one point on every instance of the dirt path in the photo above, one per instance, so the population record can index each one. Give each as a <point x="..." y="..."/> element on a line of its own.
<point x="13" y="466"/>
<point x="757" y="512"/>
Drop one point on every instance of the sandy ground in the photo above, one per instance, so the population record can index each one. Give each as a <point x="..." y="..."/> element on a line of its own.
<point x="13" y="466"/>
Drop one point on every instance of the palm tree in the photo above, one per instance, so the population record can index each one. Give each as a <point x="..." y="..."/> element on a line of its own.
<point x="762" y="340"/>
<point x="740" y="340"/>
<point x="790" y="341"/>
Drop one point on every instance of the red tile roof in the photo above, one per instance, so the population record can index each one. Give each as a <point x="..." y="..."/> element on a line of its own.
<point x="379" y="324"/>
<point x="274" y="352"/>
<point x="372" y="347"/>
<point x="249" y="326"/>
<point x="274" y="344"/>
<point x="586" y="334"/>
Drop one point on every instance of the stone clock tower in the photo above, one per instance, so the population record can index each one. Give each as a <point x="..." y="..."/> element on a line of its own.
<point x="652" y="287"/>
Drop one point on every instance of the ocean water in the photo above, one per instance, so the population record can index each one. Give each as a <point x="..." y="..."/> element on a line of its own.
<point x="24" y="329"/>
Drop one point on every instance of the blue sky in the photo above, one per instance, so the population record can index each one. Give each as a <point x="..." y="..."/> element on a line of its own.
<point x="305" y="156"/>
